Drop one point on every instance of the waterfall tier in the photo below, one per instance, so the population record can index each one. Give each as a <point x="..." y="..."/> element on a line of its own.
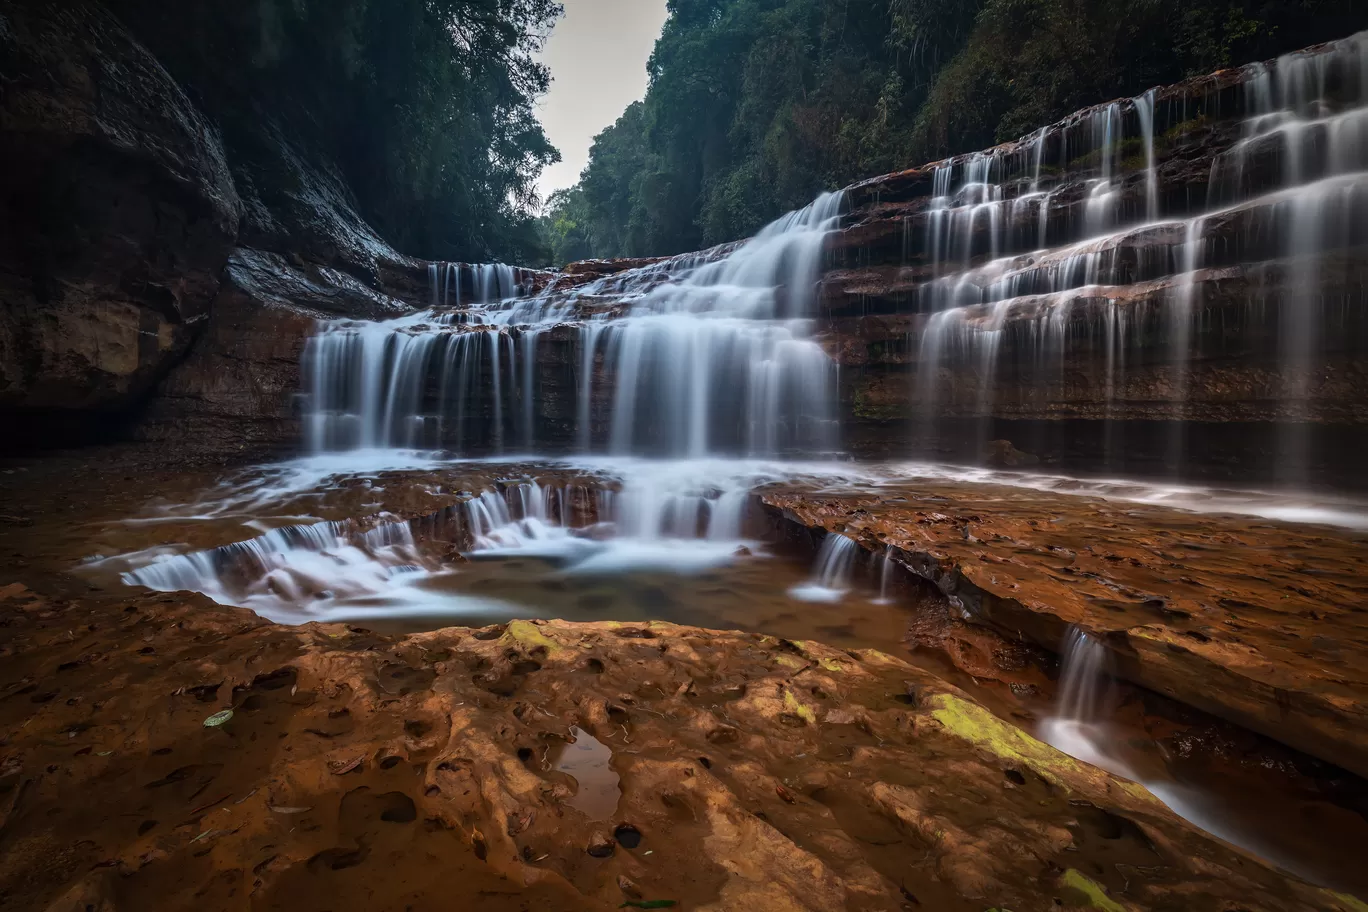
<point x="690" y="356"/>
<point x="1112" y="288"/>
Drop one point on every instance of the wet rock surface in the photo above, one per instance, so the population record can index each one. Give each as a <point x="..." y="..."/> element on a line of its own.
<point x="1258" y="622"/>
<point x="823" y="779"/>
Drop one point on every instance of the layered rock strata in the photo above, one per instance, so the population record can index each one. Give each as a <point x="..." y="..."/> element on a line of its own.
<point x="1259" y="623"/>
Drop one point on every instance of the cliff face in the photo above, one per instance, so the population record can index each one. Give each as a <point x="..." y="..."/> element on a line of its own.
<point x="133" y="233"/>
<point x="118" y="212"/>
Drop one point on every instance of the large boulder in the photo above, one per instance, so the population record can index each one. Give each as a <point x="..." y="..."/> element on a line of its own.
<point x="117" y="213"/>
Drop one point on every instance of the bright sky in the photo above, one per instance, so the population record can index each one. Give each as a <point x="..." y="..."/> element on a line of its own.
<point x="597" y="55"/>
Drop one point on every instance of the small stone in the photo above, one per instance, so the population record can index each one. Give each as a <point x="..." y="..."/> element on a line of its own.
<point x="600" y="846"/>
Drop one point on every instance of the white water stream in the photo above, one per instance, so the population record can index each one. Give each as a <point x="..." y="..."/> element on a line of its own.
<point x="1082" y="727"/>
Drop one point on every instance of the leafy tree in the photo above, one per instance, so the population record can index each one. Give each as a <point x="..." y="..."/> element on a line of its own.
<point x="426" y="106"/>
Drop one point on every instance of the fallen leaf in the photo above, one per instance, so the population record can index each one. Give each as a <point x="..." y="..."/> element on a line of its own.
<point x="342" y="767"/>
<point x="218" y="718"/>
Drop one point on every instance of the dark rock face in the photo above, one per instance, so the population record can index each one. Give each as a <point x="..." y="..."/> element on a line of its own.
<point x="122" y="209"/>
<point x="236" y="394"/>
<point x="118" y="214"/>
<point x="303" y="209"/>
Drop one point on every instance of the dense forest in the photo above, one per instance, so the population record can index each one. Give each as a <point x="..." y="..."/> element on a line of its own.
<point x="425" y="107"/>
<point x="755" y="106"/>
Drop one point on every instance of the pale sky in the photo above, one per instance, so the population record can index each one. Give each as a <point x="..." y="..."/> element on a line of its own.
<point x="597" y="55"/>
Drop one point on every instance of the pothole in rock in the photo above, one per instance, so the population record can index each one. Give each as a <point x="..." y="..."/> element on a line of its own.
<point x="588" y="761"/>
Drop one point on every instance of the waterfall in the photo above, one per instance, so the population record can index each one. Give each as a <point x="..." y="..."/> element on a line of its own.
<point x="489" y="283"/>
<point x="1144" y="109"/>
<point x="1081" y="725"/>
<point x="832" y="571"/>
<point x="703" y="355"/>
<point x="1291" y="189"/>
<point x="660" y="519"/>
<point x="885" y="575"/>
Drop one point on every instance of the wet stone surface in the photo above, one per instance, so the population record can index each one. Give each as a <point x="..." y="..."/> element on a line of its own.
<point x="1258" y="621"/>
<point x="812" y="787"/>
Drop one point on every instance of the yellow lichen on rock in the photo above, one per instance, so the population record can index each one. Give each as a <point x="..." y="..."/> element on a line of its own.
<point x="530" y="636"/>
<point x="975" y="724"/>
<point x="1096" y="896"/>
<point x="1346" y="903"/>
<point x="799" y="709"/>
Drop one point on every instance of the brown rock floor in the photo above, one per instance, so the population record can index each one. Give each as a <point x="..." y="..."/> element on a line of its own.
<point x="61" y="510"/>
<point x="360" y="771"/>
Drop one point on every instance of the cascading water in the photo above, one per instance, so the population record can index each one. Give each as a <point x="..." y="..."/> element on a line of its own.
<point x="832" y="571"/>
<point x="1292" y="190"/>
<point x="885" y="575"/>
<point x="1084" y="703"/>
<point x="1083" y="726"/>
<point x="294" y="573"/>
<point x="698" y="355"/>
<point x="701" y="357"/>
<point x="472" y="283"/>
<point x="655" y="520"/>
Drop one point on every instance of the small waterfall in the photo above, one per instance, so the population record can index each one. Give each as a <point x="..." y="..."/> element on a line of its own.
<point x="885" y="575"/>
<point x="488" y="283"/>
<point x="652" y="522"/>
<point x="292" y="574"/>
<point x="1081" y="726"/>
<point x="1144" y="109"/>
<point x="1084" y="702"/>
<point x="832" y="571"/>
<point x="1180" y="314"/>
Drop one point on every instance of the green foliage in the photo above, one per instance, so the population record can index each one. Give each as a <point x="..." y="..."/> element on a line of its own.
<point x="755" y="106"/>
<point x="426" y="106"/>
<point x="1029" y="62"/>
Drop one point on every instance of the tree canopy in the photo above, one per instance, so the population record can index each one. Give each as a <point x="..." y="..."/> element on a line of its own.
<point x="755" y="106"/>
<point x="425" y="106"/>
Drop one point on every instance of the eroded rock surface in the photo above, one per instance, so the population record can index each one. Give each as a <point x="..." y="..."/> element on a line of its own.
<point x="1261" y="623"/>
<point x="754" y="773"/>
